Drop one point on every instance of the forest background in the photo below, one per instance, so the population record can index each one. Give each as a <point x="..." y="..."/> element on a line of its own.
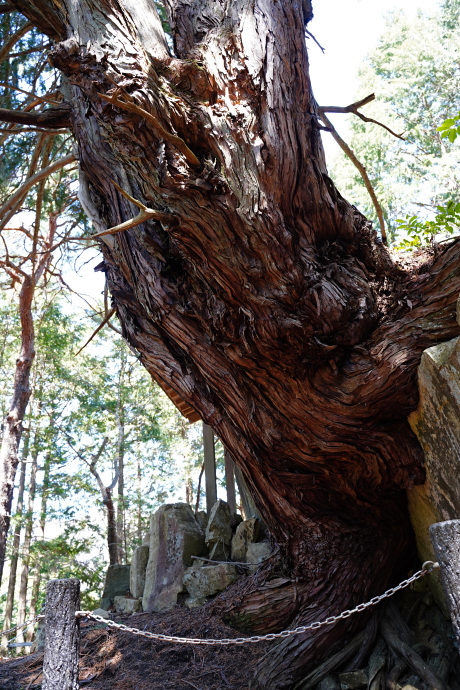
<point x="99" y="407"/>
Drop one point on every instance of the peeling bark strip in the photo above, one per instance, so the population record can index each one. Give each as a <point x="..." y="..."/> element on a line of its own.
<point x="62" y="635"/>
<point x="269" y="306"/>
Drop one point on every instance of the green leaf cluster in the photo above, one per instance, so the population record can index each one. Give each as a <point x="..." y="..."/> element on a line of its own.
<point x="450" y="128"/>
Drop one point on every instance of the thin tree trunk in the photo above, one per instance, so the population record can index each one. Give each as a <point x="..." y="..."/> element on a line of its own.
<point x="29" y="522"/>
<point x="21" y="391"/>
<point x="13" y="424"/>
<point x="37" y="564"/>
<point x="120" y="460"/>
<point x="112" y="532"/>
<point x="8" y="614"/>
<point x="139" y="497"/>
<point x="258" y="294"/>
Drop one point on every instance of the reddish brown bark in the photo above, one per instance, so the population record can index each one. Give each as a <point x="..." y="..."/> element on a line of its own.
<point x="12" y="432"/>
<point x="266" y="301"/>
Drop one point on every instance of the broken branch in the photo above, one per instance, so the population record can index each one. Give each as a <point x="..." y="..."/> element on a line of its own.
<point x="362" y="170"/>
<point x="172" y="138"/>
<point x="354" y="108"/>
<point x="101" y="325"/>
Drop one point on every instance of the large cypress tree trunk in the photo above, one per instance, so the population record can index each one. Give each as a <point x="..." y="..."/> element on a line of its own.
<point x="257" y="292"/>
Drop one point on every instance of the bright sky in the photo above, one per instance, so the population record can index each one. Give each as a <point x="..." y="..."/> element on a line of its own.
<point x="348" y="30"/>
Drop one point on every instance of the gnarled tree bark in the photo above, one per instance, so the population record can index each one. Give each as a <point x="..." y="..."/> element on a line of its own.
<point x="266" y="301"/>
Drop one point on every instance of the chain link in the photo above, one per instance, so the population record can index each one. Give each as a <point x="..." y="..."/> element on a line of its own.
<point x="23" y="625"/>
<point x="427" y="567"/>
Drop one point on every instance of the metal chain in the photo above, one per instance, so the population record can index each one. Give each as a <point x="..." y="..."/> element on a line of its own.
<point x="427" y="567"/>
<point x="23" y="625"/>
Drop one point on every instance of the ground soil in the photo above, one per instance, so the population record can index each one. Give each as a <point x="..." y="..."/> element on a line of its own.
<point x="121" y="661"/>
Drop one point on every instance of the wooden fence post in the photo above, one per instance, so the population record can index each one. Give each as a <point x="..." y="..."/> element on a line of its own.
<point x="445" y="537"/>
<point x="62" y="635"/>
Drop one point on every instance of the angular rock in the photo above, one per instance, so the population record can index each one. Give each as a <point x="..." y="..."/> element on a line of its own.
<point x="256" y="553"/>
<point x="202" y="519"/>
<point x="246" y="533"/>
<point x="175" y="537"/>
<point x="211" y="579"/>
<point x="116" y="584"/>
<point x="353" y="680"/>
<point x="218" y="528"/>
<point x="39" y="640"/>
<point x="436" y="422"/>
<point x="127" y="605"/>
<point x="220" y="552"/>
<point x="137" y="573"/>
<point x="102" y="613"/>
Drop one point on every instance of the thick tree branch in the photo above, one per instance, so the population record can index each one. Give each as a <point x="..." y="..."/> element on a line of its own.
<point x="362" y="170"/>
<point x="46" y="119"/>
<point x="354" y="108"/>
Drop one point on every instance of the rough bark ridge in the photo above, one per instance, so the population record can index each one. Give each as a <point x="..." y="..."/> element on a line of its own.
<point x="265" y="300"/>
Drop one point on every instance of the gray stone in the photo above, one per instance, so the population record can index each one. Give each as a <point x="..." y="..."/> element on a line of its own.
<point x="116" y="584"/>
<point x="175" y="537"/>
<point x="208" y="580"/>
<point x="257" y="553"/>
<point x="353" y="680"/>
<point x="127" y="605"/>
<point x="202" y="519"/>
<point x="436" y="422"/>
<point x="137" y="573"/>
<point x="102" y="613"/>
<point x="219" y="552"/>
<point x="195" y="602"/>
<point x="246" y="533"/>
<point x="218" y="528"/>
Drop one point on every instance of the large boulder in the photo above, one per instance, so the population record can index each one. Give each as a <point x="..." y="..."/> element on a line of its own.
<point x="116" y="584"/>
<point x="201" y="582"/>
<point x="175" y="536"/>
<point x="247" y="532"/>
<point x="219" y="529"/>
<point x="137" y="573"/>
<point x="436" y="422"/>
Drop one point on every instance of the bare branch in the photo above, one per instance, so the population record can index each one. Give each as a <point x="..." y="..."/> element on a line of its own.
<point x="354" y="108"/>
<point x="310" y="35"/>
<point x="101" y="325"/>
<point x="6" y="7"/>
<point x="14" y="39"/>
<point x="29" y="183"/>
<point x="50" y="118"/>
<point x="362" y="170"/>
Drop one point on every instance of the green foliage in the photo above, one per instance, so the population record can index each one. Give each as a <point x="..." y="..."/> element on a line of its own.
<point x="446" y="221"/>
<point x="450" y="128"/>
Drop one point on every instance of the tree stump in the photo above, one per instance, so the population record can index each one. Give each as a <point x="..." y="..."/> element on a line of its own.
<point x="62" y="635"/>
<point x="445" y="537"/>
